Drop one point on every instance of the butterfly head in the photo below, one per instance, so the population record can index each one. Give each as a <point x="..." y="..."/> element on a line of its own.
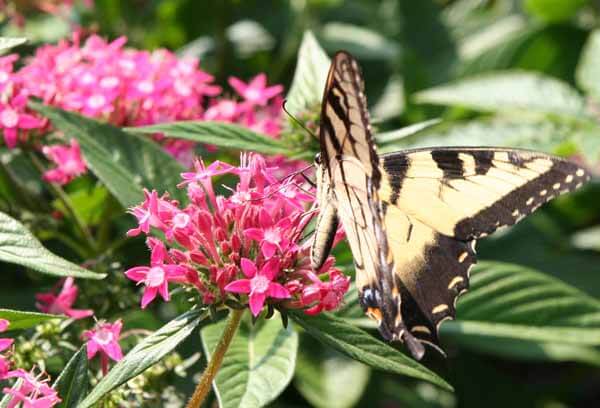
<point x="318" y="160"/>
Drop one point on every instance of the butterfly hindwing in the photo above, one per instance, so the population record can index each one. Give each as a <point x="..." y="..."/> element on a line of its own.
<point x="361" y="213"/>
<point x="431" y="269"/>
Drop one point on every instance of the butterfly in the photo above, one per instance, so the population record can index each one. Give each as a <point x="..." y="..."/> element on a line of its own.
<point x="412" y="217"/>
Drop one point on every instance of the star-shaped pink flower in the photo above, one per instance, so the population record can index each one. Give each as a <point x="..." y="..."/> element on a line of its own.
<point x="69" y="162"/>
<point x="154" y="212"/>
<point x="62" y="302"/>
<point x="157" y="276"/>
<point x="256" y="92"/>
<point x="203" y="173"/>
<point x="12" y="119"/>
<point x="104" y="339"/>
<point x="270" y="235"/>
<point x="259" y="284"/>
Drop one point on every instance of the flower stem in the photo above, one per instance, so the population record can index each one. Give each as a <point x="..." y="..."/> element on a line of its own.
<point x="64" y="198"/>
<point x="214" y="364"/>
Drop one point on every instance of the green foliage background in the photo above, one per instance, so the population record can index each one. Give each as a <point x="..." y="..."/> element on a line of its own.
<point x="495" y="72"/>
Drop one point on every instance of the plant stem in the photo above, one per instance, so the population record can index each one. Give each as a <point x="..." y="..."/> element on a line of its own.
<point x="64" y="198"/>
<point x="214" y="364"/>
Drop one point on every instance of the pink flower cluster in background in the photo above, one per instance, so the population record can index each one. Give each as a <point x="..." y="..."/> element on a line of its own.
<point x="125" y="87"/>
<point x="248" y="243"/>
<point x="4" y="345"/>
<point x="33" y="390"/>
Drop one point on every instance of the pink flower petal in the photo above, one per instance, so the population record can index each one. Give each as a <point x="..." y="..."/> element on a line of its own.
<point x="277" y="291"/>
<point x="114" y="351"/>
<point x="257" y="301"/>
<point x="5" y="343"/>
<point x="271" y="269"/>
<point x="137" y="273"/>
<point x="92" y="349"/>
<point x="10" y="137"/>
<point x="148" y="296"/>
<point x="256" y="234"/>
<point x="248" y="267"/>
<point x="163" y="290"/>
<point x="268" y="249"/>
<point x="79" y="313"/>
<point x="239" y="286"/>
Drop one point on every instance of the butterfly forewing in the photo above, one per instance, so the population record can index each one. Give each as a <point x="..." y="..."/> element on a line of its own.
<point x="470" y="192"/>
<point x="345" y="129"/>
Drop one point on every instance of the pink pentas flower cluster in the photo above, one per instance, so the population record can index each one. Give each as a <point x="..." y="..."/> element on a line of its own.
<point x="33" y="391"/>
<point x="4" y="345"/>
<point x="246" y="246"/>
<point x="125" y="87"/>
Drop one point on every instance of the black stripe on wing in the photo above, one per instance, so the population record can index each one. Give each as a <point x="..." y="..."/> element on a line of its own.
<point x="561" y="178"/>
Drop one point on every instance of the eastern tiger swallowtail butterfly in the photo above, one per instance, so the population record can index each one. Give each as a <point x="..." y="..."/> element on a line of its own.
<point x="412" y="217"/>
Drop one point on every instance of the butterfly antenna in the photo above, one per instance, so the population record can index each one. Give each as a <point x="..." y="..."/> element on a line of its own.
<point x="310" y="132"/>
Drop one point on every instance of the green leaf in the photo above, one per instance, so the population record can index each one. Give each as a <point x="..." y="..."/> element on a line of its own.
<point x="554" y="10"/>
<point x="361" y="346"/>
<point x="125" y="163"/>
<point x="19" y="246"/>
<point x="498" y="131"/>
<point x="258" y="365"/>
<point x="145" y="354"/>
<point x="7" y="43"/>
<point x="217" y="133"/>
<point x="398" y="134"/>
<point x="88" y="202"/>
<point x="73" y="382"/>
<point x="310" y="76"/>
<point x="535" y="351"/>
<point x="526" y="311"/>
<point x="361" y="42"/>
<point x="588" y="68"/>
<point x="509" y="91"/>
<point x="588" y="238"/>
<point x="327" y="378"/>
<point x="20" y="320"/>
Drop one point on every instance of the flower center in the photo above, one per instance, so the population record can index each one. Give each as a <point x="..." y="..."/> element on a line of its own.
<point x="103" y="336"/>
<point x="96" y="101"/>
<point x="9" y="118"/>
<point x="146" y="87"/>
<point x="182" y="88"/>
<point x="181" y="220"/>
<point x="109" y="82"/>
<point x="70" y="166"/>
<point x="260" y="284"/>
<point x="252" y="94"/>
<point x="228" y="108"/>
<point x="272" y="236"/>
<point x="155" y="276"/>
